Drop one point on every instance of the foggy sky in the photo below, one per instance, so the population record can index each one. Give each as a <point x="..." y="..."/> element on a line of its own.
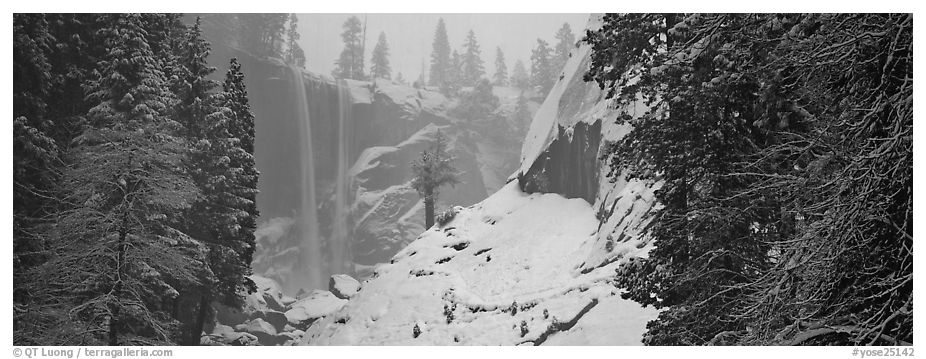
<point x="410" y="37"/>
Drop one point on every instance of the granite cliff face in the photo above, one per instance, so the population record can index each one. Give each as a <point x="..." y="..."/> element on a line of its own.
<point x="364" y="136"/>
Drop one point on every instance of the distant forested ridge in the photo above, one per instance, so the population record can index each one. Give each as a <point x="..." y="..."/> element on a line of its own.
<point x="784" y="146"/>
<point x="133" y="179"/>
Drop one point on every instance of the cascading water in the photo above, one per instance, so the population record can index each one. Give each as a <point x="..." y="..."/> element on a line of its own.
<point x="307" y="221"/>
<point x="340" y="233"/>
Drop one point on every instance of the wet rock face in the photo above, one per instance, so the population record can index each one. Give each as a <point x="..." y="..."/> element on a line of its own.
<point x="388" y="213"/>
<point x="385" y="213"/>
<point x="569" y="166"/>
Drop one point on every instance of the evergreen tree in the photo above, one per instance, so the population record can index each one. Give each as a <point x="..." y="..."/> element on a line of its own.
<point x="519" y="76"/>
<point x="217" y="165"/>
<point x="35" y="153"/>
<point x="350" y="63"/>
<point x="263" y="34"/>
<point x="471" y="62"/>
<point x="440" y="57"/>
<point x="421" y="81"/>
<point x="294" y="54"/>
<point x="432" y="170"/>
<point x="521" y="117"/>
<point x="479" y="104"/>
<point x="114" y="252"/>
<point x="454" y="76"/>
<point x="566" y="41"/>
<point x="399" y="79"/>
<point x="769" y="197"/>
<point x="244" y="188"/>
<point x="542" y="68"/>
<point x="380" y="68"/>
<point x="501" y="69"/>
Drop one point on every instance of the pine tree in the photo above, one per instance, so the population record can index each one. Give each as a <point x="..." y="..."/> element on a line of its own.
<point x="440" y="57"/>
<point x="521" y="117"/>
<point x="432" y="170"/>
<point x="399" y="79"/>
<point x="115" y="255"/>
<point x="350" y="63"/>
<point x="380" y="68"/>
<point x="501" y="69"/>
<point x="541" y="68"/>
<point x="263" y="34"/>
<point x="35" y="153"/>
<point x="771" y="200"/>
<point x="241" y="132"/>
<point x="454" y="75"/>
<point x="519" y="76"/>
<point x="479" y="104"/>
<point x="216" y="167"/>
<point x="471" y="62"/>
<point x="566" y="41"/>
<point x="294" y="54"/>
<point x="421" y="80"/>
<point x="193" y="85"/>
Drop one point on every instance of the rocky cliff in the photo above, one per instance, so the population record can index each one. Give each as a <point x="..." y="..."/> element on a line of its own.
<point x="388" y="126"/>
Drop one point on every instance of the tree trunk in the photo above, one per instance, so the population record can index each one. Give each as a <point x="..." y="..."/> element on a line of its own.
<point x="428" y="210"/>
<point x="196" y="330"/>
<point x="120" y="264"/>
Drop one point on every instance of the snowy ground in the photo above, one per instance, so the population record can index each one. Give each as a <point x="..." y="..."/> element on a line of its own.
<point x="505" y="271"/>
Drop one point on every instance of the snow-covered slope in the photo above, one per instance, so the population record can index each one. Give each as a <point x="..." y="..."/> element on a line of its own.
<point x="504" y="271"/>
<point x="532" y="264"/>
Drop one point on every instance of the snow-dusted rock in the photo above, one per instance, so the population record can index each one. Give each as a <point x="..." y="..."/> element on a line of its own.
<point x="225" y="335"/>
<point x="316" y="305"/>
<point x="343" y="286"/>
<point x="265" y="332"/>
<point x="256" y="326"/>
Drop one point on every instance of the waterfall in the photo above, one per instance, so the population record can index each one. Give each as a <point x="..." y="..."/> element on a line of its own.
<point x="307" y="217"/>
<point x="340" y="233"/>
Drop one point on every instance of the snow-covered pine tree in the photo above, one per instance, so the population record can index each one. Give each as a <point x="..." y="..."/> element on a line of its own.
<point x="350" y="63"/>
<point x="115" y="257"/>
<point x="380" y="69"/>
<point x="294" y="54"/>
<point x="521" y="117"/>
<point x="519" y="76"/>
<point x="565" y="42"/>
<point x="244" y="188"/>
<point x="432" y="170"/>
<point x="471" y="64"/>
<point x="440" y="57"/>
<point x="542" y="71"/>
<point x="452" y="82"/>
<point x="501" y="69"/>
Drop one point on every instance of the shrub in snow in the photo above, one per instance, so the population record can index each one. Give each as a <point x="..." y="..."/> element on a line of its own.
<point x="446" y="216"/>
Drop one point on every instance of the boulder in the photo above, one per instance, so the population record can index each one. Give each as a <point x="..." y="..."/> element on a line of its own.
<point x="275" y="318"/>
<point x="316" y="305"/>
<point x="256" y="326"/>
<point x="270" y="292"/>
<point x="226" y="335"/>
<point x="343" y="286"/>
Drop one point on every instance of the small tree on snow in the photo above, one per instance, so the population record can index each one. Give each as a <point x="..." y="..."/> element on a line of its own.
<point x="431" y="171"/>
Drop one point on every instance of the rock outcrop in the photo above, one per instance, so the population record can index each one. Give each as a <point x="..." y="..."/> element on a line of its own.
<point x="284" y="324"/>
